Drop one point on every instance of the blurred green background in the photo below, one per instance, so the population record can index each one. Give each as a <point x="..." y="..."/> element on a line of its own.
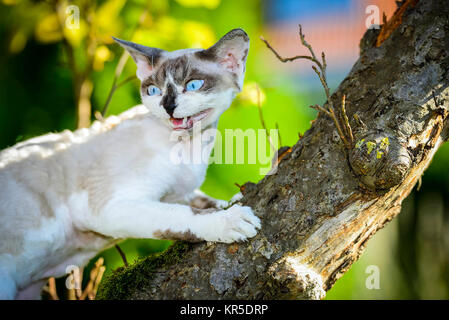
<point x="55" y="77"/>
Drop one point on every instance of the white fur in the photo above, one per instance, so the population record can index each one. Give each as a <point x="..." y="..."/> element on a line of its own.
<point x="67" y="196"/>
<point x="103" y="183"/>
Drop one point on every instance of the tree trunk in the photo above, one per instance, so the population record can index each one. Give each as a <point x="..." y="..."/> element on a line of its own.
<point x="326" y="201"/>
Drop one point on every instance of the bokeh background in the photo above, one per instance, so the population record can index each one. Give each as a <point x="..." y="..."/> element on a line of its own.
<point x="54" y="77"/>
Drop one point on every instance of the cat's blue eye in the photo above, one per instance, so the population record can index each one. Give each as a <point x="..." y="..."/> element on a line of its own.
<point x="193" y="85"/>
<point x="153" y="90"/>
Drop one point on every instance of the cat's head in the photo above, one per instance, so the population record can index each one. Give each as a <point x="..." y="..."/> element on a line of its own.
<point x="190" y="85"/>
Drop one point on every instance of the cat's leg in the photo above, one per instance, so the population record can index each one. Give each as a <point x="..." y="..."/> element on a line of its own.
<point x="32" y="292"/>
<point x="200" y="200"/>
<point x="157" y="220"/>
<point x="8" y="289"/>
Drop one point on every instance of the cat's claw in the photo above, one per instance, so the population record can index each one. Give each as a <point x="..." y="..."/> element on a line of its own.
<point x="220" y="204"/>
<point x="237" y="197"/>
<point x="237" y="223"/>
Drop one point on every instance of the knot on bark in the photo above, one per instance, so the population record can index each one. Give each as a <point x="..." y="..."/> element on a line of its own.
<point x="380" y="160"/>
<point x="295" y="280"/>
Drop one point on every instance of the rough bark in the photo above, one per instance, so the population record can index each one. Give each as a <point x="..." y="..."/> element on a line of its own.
<point x="325" y="202"/>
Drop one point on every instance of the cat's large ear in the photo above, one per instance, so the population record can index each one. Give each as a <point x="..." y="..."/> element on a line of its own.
<point x="146" y="58"/>
<point x="230" y="52"/>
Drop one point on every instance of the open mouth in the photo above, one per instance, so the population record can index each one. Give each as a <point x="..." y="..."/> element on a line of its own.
<point x="187" y="123"/>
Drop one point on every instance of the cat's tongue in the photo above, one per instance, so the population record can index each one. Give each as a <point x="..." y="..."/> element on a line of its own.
<point x="177" y="122"/>
<point x="187" y="123"/>
<point x="182" y="123"/>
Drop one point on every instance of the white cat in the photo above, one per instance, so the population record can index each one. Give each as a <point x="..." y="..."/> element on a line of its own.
<point x="65" y="197"/>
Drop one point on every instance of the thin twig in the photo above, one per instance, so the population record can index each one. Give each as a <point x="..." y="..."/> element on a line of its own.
<point x="78" y="280"/>
<point x="320" y="69"/>
<point x="238" y="186"/>
<point x="322" y="77"/>
<point x="119" y="68"/>
<point x="347" y="126"/>
<point x="262" y="121"/>
<point x="279" y="134"/>
<point x="308" y="46"/>
<point x="435" y="100"/>
<point x="284" y="59"/>
<point x="343" y="116"/>
<point x="323" y="57"/>
<point x="125" y="81"/>
<point x="321" y="109"/>
<point x="419" y="184"/>
<point x="87" y="293"/>
<point x="122" y="254"/>
<point x="93" y="293"/>
<point x="118" y="71"/>
<point x="50" y="288"/>
<point x="340" y="132"/>
<point x="359" y="121"/>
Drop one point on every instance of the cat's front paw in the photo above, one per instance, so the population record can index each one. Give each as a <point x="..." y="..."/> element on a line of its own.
<point x="237" y="223"/>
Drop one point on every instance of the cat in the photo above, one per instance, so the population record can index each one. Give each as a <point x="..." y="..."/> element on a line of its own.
<point x="67" y="196"/>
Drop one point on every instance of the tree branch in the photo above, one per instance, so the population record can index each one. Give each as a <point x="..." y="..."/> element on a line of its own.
<point x="322" y="206"/>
